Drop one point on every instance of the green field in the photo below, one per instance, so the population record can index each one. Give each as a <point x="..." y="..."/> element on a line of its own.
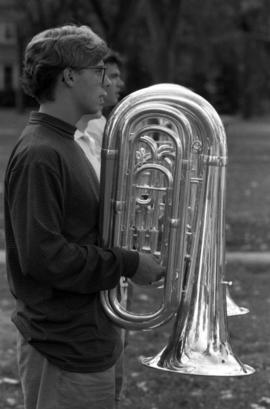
<point x="152" y="389"/>
<point x="248" y="186"/>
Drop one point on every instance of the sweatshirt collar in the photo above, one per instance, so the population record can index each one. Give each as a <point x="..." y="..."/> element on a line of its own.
<point x="50" y="121"/>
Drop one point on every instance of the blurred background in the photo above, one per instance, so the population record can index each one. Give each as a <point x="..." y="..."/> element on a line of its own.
<point x="220" y="49"/>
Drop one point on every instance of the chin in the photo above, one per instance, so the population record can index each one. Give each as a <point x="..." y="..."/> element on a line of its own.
<point x="93" y="111"/>
<point x="99" y="113"/>
<point x="110" y="104"/>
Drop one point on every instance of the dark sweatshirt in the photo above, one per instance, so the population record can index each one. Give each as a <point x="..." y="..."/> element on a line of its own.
<point x="55" y="268"/>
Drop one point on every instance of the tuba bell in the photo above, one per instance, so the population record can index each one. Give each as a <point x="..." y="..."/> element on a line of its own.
<point x="163" y="177"/>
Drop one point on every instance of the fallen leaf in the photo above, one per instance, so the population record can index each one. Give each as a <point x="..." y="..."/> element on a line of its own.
<point x="265" y="399"/>
<point x="11" y="401"/>
<point x="142" y="385"/>
<point x="226" y="394"/>
<point x="256" y="406"/>
<point x="197" y="392"/>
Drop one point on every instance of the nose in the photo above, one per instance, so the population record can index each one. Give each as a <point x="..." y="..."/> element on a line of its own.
<point x="107" y="82"/>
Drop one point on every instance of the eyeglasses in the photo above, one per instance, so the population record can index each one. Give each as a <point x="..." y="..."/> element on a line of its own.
<point x="100" y="73"/>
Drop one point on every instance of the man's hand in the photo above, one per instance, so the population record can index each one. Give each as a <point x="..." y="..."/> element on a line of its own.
<point x="148" y="270"/>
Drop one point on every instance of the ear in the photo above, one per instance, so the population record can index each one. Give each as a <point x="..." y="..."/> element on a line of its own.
<point x="68" y="77"/>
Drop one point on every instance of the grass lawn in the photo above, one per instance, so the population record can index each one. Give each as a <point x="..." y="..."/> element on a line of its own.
<point x="152" y="389"/>
<point x="248" y="186"/>
<point x="249" y="334"/>
<point x="248" y="213"/>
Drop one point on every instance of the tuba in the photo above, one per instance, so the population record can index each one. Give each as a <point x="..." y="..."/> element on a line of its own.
<point x="163" y="174"/>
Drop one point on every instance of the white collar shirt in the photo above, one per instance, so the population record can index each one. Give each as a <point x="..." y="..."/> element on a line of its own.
<point x="91" y="141"/>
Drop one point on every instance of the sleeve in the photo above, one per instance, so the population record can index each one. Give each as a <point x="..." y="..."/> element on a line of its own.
<point x="36" y="203"/>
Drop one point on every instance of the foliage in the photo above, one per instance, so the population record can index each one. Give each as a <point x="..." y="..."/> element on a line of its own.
<point x="221" y="50"/>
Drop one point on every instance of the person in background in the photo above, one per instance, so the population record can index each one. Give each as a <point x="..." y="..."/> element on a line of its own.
<point x="67" y="346"/>
<point x="114" y="70"/>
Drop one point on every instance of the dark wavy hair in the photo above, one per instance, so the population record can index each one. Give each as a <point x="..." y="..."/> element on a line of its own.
<point x="113" y="57"/>
<point x="52" y="50"/>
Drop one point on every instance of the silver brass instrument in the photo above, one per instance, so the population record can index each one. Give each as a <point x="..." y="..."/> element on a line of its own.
<point x="232" y="307"/>
<point x="163" y="188"/>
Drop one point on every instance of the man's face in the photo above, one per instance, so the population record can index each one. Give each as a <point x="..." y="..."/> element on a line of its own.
<point x="116" y="85"/>
<point x="89" y="90"/>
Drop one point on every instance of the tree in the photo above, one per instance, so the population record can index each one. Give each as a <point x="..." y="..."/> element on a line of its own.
<point x="163" y="22"/>
<point x="111" y="19"/>
<point x="32" y="17"/>
<point x="214" y="49"/>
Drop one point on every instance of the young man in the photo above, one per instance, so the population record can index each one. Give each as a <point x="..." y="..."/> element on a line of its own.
<point x="67" y="346"/>
<point x="114" y="65"/>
